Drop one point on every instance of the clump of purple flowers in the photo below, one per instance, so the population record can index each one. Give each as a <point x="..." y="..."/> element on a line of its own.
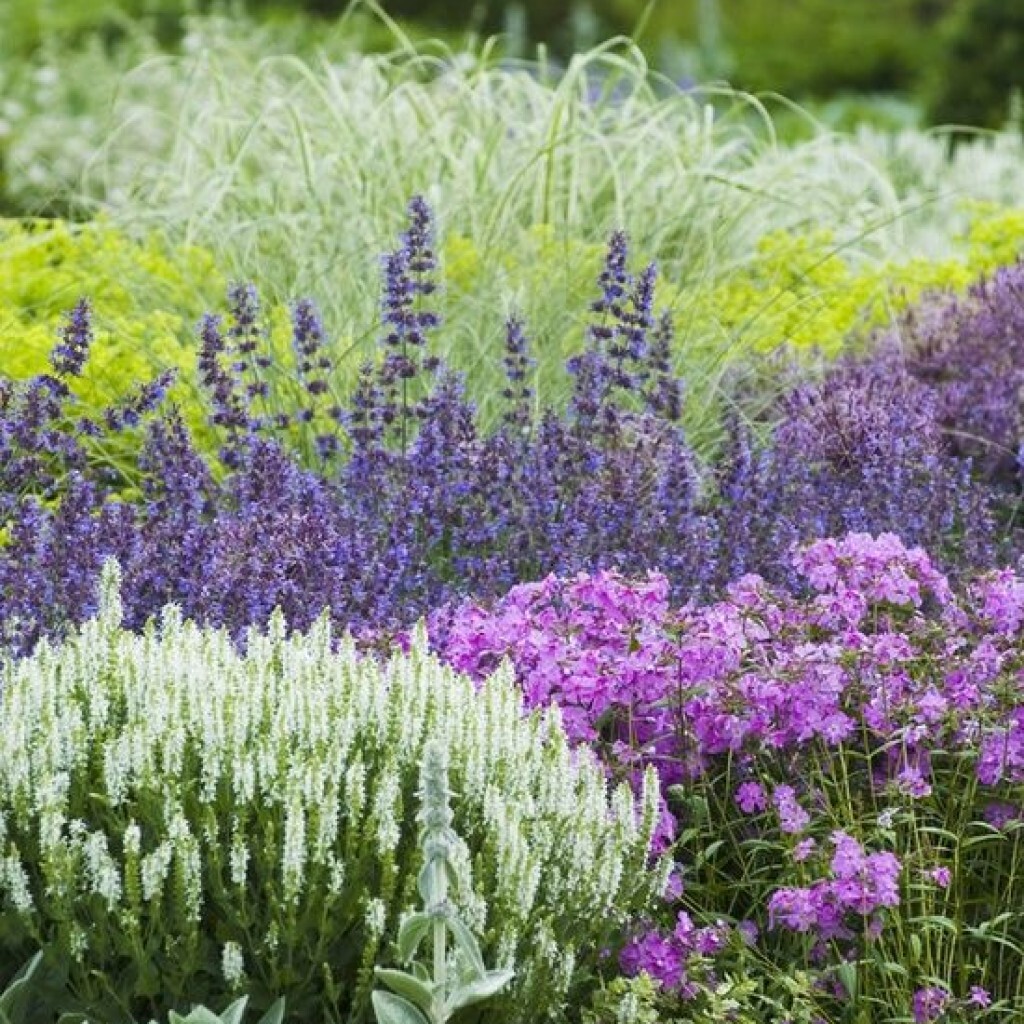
<point x="672" y="957"/>
<point x="877" y="664"/>
<point x="969" y="352"/>
<point x="859" y="885"/>
<point x="394" y="502"/>
<point x="57" y="513"/>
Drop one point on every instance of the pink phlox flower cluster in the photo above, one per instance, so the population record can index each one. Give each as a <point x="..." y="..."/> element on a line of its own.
<point x="999" y="598"/>
<point x="751" y="797"/>
<point x="792" y="817"/>
<point x="856" y="571"/>
<point x="941" y="876"/>
<point x="596" y="645"/>
<point x="929" y="1003"/>
<point x="1000" y="814"/>
<point x="763" y="672"/>
<point x="1002" y="752"/>
<point x="979" y="997"/>
<point x="860" y="883"/>
<point x="666" y="955"/>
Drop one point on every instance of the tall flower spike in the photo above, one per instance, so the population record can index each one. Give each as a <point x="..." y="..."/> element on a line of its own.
<point x="229" y="410"/>
<point x="663" y="392"/>
<point x="407" y="275"/>
<point x="517" y="363"/>
<point x="423" y="997"/>
<point x="247" y="335"/>
<point x="76" y="336"/>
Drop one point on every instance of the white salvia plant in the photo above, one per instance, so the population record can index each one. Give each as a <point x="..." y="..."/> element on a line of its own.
<point x="178" y="802"/>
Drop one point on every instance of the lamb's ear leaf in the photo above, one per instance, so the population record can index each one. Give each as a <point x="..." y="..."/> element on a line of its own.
<point x="392" y="1009"/>
<point x="478" y="990"/>
<point x="201" y="1015"/>
<point x="233" y="1014"/>
<point x="275" y="1015"/>
<point x="12" y="999"/>
<point x="467" y="945"/>
<point x="408" y="986"/>
<point x="411" y="933"/>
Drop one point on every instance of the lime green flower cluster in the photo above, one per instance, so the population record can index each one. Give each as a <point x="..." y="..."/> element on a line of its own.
<point x="146" y="301"/>
<point x="806" y="292"/>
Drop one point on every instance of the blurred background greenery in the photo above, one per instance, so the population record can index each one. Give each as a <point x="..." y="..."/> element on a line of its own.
<point x="907" y="61"/>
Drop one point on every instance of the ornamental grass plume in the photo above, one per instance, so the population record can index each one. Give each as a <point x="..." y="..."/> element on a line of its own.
<point x="185" y="823"/>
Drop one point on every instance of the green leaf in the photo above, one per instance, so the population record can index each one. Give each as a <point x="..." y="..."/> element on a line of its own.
<point x="275" y="1015"/>
<point x="847" y="973"/>
<point x="466" y="943"/>
<point x="233" y="1014"/>
<point x="201" y="1015"/>
<point x="391" y="1009"/>
<point x="408" y="986"/>
<point x="476" y="991"/>
<point x="414" y="929"/>
<point x="13" y="997"/>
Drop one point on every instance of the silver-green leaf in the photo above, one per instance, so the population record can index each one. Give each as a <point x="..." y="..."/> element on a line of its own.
<point x="412" y="932"/>
<point x="275" y="1015"/>
<point x="408" y="986"/>
<point x="392" y="1009"/>
<point x="233" y="1014"/>
<point x="466" y="943"/>
<point x="479" y="989"/>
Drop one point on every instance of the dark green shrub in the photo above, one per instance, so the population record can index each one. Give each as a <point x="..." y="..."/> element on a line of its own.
<point x="983" y="64"/>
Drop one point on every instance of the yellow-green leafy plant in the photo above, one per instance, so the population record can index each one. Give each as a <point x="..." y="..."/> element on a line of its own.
<point x="807" y="292"/>
<point x="146" y="301"/>
<point x="185" y="823"/>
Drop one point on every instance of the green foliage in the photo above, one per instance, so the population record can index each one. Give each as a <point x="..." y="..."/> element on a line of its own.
<point x="432" y="996"/>
<point x="232" y="1015"/>
<point x="183" y="823"/>
<point x="807" y="292"/>
<point x="146" y="301"/>
<point x="15" y="997"/>
<point x="983" y="64"/>
<point x="738" y="989"/>
<point x="798" y="48"/>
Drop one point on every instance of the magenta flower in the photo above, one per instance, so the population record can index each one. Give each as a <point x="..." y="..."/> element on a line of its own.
<point x="751" y="797"/>
<point x="979" y="997"/>
<point x="792" y="817"/>
<point x="929" y="1003"/>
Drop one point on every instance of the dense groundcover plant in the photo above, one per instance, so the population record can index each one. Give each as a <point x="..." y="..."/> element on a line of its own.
<point x="183" y="823"/>
<point x="845" y="769"/>
<point x="386" y="504"/>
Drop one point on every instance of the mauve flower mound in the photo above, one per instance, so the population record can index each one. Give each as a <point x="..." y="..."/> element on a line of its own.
<point x="815" y="724"/>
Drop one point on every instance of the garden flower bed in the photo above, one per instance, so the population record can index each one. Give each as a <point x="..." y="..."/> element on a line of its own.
<point x="650" y="656"/>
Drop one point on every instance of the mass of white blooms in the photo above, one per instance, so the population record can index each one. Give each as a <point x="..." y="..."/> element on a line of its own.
<point x="170" y="780"/>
